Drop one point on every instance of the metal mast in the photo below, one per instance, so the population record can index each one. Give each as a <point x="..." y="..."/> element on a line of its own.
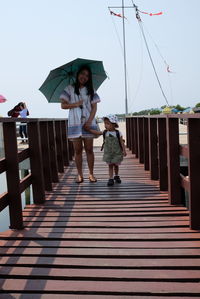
<point x="125" y="68"/>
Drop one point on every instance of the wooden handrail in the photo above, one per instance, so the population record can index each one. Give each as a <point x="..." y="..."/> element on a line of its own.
<point x="48" y="148"/>
<point x="2" y="165"/>
<point x="159" y="142"/>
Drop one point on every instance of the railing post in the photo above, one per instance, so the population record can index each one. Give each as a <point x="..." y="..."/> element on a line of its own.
<point x="135" y="137"/>
<point x="153" y="148"/>
<point x="53" y="151"/>
<point x="36" y="162"/>
<point x="140" y="140"/>
<point x="132" y="145"/>
<point x="146" y="143"/>
<point x="127" y="133"/>
<point x="65" y="142"/>
<point x="173" y="161"/>
<point x="12" y="174"/>
<point x="46" y="155"/>
<point x="59" y="146"/>
<point x="162" y="148"/>
<point x="194" y="173"/>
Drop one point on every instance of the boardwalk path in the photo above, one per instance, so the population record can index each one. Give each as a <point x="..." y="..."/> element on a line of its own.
<point x="91" y="241"/>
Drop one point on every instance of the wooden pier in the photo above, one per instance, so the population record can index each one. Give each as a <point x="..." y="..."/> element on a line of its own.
<point x="94" y="241"/>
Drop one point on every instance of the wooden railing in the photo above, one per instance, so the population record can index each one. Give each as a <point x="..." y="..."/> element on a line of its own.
<point x="154" y="140"/>
<point x="49" y="152"/>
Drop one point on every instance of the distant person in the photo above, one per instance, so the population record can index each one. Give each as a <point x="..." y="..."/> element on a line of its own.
<point x="23" y="125"/>
<point x="113" y="146"/>
<point x="20" y="110"/>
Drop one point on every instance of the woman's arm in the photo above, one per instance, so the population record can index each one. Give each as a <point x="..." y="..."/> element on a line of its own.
<point x="66" y="105"/>
<point x="91" y="117"/>
<point x="95" y="132"/>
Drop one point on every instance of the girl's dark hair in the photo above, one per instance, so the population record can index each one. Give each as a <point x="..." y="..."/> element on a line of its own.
<point x="89" y="83"/>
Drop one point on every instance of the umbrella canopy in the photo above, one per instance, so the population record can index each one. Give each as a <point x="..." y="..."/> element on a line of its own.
<point x="2" y="99"/>
<point x="64" y="75"/>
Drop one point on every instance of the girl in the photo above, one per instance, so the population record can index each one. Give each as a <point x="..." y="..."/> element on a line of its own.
<point x="114" y="148"/>
<point x="81" y="100"/>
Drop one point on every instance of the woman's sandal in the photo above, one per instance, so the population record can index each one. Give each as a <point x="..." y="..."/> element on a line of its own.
<point x="92" y="179"/>
<point x="79" y="179"/>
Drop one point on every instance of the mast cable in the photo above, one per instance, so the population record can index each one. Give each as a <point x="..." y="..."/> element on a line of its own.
<point x="148" y="50"/>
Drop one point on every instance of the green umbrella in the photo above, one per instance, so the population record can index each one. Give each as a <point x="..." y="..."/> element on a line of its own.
<point x="64" y="75"/>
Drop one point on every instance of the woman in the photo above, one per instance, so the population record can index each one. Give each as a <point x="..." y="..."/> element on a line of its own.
<point x="81" y="100"/>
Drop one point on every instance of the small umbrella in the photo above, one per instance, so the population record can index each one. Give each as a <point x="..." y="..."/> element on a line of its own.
<point x="2" y="99"/>
<point x="64" y="75"/>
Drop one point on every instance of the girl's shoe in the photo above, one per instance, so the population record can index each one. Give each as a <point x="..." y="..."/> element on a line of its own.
<point x="117" y="179"/>
<point x="110" y="182"/>
<point x="92" y="179"/>
<point x="79" y="179"/>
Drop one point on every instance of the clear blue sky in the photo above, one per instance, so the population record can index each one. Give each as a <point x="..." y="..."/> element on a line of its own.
<point x="39" y="35"/>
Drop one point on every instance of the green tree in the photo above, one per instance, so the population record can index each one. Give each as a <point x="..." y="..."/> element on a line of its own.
<point x="197" y="105"/>
<point x="154" y="111"/>
<point x="179" y="107"/>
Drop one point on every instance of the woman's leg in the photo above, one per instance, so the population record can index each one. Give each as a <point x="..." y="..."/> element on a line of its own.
<point x="88" y="144"/>
<point x="78" y="150"/>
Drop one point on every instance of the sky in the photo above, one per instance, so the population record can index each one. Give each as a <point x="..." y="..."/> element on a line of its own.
<point x="37" y="36"/>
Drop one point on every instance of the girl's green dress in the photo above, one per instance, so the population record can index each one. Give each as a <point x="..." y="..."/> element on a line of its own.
<point x="112" y="150"/>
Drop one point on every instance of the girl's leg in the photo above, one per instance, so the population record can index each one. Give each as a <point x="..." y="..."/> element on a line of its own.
<point x="88" y="144"/>
<point x="78" y="150"/>
<point x="116" y="177"/>
<point x="116" y="167"/>
<point x="111" y="168"/>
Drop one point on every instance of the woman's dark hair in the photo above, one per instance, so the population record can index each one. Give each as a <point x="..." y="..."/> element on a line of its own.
<point x="89" y="83"/>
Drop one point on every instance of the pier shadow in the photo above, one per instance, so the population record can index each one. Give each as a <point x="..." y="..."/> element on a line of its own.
<point x="70" y="193"/>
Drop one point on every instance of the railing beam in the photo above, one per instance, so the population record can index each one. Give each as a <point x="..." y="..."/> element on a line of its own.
<point x="12" y="175"/>
<point x="173" y="161"/>
<point x="53" y="152"/>
<point x="65" y="143"/>
<point x="140" y="140"/>
<point x="36" y="163"/>
<point x="135" y="135"/>
<point x="146" y="143"/>
<point x="46" y="155"/>
<point x="153" y="148"/>
<point x="59" y="145"/>
<point x="194" y="171"/>
<point x="162" y="149"/>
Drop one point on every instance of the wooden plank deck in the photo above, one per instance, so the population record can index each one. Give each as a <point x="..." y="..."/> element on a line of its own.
<point x="91" y="241"/>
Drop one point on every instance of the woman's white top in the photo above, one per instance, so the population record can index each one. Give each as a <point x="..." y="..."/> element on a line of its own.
<point x="77" y="116"/>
